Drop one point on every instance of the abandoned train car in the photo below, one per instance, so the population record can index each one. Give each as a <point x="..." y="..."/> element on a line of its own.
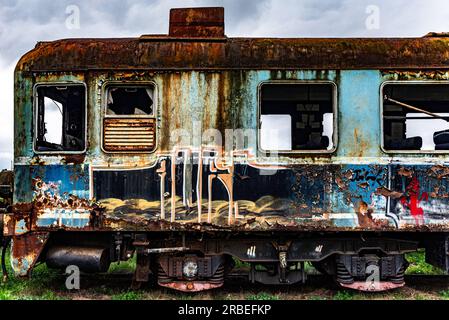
<point x="190" y="149"/>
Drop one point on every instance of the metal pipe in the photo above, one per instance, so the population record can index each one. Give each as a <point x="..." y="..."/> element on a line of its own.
<point x="416" y="108"/>
<point x="87" y="259"/>
<point x="167" y="250"/>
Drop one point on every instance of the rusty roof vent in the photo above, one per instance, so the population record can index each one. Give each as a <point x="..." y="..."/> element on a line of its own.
<point x="437" y="35"/>
<point x="197" y="22"/>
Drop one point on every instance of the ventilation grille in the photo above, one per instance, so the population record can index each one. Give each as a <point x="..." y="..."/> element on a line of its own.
<point x="129" y="134"/>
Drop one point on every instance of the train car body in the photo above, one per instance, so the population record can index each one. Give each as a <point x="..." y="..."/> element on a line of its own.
<point x="191" y="148"/>
<point x="6" y="183"/>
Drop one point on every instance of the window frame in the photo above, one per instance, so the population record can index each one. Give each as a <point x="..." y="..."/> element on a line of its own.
<point x="104" y="105"/>
<point x="36" y="110"/>
<point x="299" y="82"/>
<point x="381" y="103"/>
<point x="110" y="84"/>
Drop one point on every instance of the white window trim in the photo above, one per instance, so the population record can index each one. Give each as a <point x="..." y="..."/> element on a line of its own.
<point x="300" y="82"/>
<point x="35" y="115"/>
<point x="155" y="115"/>
<point x="114" y="84"/>
<point x="381" y="102"/>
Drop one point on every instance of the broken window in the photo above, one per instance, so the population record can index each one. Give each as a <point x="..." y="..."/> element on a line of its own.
<point x="416" y="117"/>
<point x="297" y="117"/>
<point x="129" y="101"/>
<point x="60" y="118"/>
<point x="130" y="123"/>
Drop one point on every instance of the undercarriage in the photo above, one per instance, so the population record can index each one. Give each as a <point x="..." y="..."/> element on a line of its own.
<point x="192" y="262"/>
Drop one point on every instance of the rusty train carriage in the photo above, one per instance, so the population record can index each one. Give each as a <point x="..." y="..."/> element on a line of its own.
<point x="117" y="185"/>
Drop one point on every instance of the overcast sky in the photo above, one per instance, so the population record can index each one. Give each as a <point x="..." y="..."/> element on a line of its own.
<point x="24" y="22"/>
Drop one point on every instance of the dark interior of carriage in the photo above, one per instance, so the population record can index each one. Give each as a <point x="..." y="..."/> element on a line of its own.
<point x="60" y="118"/>
<point x="417" y="118"/>
<point x="130" y="101"/>
<point x="308" y="108"/>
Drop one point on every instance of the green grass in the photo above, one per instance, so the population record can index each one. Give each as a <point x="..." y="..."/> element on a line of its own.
<point x="315" y="297"/>
<point x="420" y="297"/>
<point x="123" y="266"/>
<point x="344" y="295"/>
<point x="185" y="296"/>
<point x="444" y="294"/>
<point x="41" y="286"/>
<point x="239" y="264"/>
<point x="127" y="295"/>
<point x="262" y="296"/>
<point x="418" y="264"/>
<point x="47" y="284"/>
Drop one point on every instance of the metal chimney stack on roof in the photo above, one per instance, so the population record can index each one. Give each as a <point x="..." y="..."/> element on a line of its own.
<point x="197" y="22"/>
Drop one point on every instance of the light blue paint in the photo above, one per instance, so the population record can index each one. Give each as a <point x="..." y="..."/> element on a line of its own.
<point x="359" y="118"/>
<point x="345" y="222"/>
<point x="362" y="187"/>
<point x="22" y="268"/>
<point x="47" y="222"/>
<point x="75" y="222"/>
<point x="21" y="227"/>
<point x="70" y="179"/>
<point x="69" y="218"/>
<point x="249" y="100"/>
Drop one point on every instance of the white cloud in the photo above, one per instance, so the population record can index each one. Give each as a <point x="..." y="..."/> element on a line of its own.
<point x="6" y="113"/>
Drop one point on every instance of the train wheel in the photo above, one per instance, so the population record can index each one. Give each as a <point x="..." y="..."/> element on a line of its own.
<point x="370" y="271"/>
<point x="192" y="272"/>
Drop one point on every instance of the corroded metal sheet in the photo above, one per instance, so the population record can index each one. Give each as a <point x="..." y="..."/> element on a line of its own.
<point x="25" y="251"/>
<point x="326" y="197"/>
<point x="129" y="134"/>
<point x="357" y="187"/>
<point x="166" y="53"/>
<point x="197" y="22"/>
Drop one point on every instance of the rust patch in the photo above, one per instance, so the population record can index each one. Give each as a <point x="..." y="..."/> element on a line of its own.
<point x="388" y="193"/>
<point x="439" y="172"/>
<point x="365" y="217"/>
<point x="363" y="185"/>
<point x="197" y="22"/>
<point x="348" y="174"/>
<point x="26" y="250"/>
<point x="340" y="183"/>
<point x="46" y="197"/>
<point x="364" y="214"/>
<point x="37" y="161"/>
<point x="360" y="143"/>
<point x="168" y="53"/>
<point x="437" y="193"/>
<point x="73" y="158"/>
<point x="405" y="172"/>
<point x="131" y="134"/>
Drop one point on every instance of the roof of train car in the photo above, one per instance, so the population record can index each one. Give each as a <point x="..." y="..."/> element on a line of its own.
<point x="196" y="40"/>
<point x="168" y="53"/>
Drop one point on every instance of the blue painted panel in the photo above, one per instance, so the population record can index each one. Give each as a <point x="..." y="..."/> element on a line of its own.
<point x="359" y="118"/>
<point x="66" y="179"/>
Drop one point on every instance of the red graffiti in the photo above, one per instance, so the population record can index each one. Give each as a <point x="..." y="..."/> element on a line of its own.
<point x="411" y="200"/>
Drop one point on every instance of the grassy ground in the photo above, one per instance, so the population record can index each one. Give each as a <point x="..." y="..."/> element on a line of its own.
<point x="47" y="284"/>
